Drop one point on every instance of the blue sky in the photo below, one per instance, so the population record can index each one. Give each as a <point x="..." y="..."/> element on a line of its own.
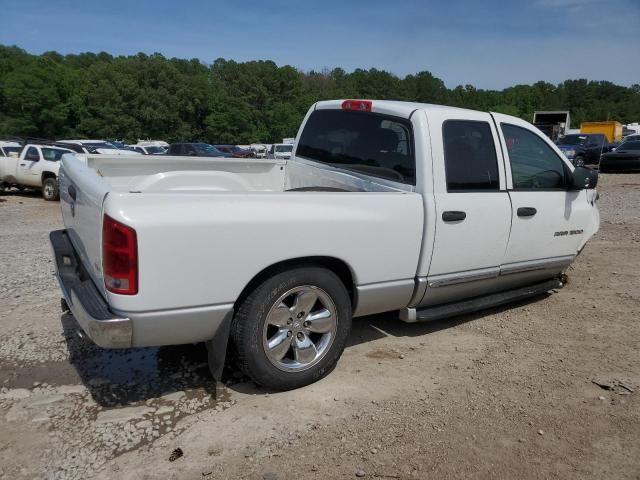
<point x="489" y="44"/>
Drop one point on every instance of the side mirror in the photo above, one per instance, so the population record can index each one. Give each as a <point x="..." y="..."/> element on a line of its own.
<point x="584" y="178"/>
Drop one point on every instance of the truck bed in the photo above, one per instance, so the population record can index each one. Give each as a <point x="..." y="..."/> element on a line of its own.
<point x="205" y="226"/>
<point x="179" y="174"/>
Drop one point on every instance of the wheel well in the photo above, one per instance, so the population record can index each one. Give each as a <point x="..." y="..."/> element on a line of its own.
<point x="340" y="268"/>
<point x="46" y="175"/>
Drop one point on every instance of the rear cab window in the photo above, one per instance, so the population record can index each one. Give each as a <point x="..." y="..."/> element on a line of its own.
<point x="364" y="142"/>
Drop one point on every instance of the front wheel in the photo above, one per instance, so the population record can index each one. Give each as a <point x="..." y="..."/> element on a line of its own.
<point x="579" y="161"/>
<point x="50" y="189"/>
<point x="291" y="330"/>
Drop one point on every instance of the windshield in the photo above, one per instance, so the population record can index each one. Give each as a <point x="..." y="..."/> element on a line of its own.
<point x="206" y="149"/>
<point x="93" y="147"/>
<point x="154" y="150"/>
<point x="572" y="140"/>
<point x="632" y="145"/>
<point x="284" y="148"/>
<point x="53" y="154"/>
<point x="8" y="150"/>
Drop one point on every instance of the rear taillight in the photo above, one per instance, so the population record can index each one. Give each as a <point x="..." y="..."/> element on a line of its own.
<point x="359" y="105"/>
<point x="119" y="257"/>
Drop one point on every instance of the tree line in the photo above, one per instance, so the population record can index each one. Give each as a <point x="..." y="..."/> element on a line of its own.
<point x="93" y="95"/>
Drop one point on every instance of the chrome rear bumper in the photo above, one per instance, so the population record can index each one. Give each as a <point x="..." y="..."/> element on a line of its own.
<point x="84" y="300"/>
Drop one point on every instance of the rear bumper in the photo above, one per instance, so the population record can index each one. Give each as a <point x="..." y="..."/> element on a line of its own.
<point x="89" y="308"/>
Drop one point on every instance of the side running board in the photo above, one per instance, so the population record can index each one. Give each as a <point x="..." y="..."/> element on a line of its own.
<point x="438" y="312"/>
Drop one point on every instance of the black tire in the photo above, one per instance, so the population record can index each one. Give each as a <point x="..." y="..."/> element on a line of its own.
<point x="50" y="189"/>
<point x="3" y="188"/>
<point x="248" y="327"/>
<point x="579" y="161"/>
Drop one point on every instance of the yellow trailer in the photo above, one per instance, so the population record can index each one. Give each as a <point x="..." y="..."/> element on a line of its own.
<point x="612" y="130"/>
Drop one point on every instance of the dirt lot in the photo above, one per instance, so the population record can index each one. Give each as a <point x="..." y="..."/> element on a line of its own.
<point x="507" y="393"/>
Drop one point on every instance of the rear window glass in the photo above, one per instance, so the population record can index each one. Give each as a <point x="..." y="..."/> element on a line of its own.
<point x="369" y="143"/>
<point x="470" y="156"/>
<point x="8" y="150"/>
<point x="284" y="148"/>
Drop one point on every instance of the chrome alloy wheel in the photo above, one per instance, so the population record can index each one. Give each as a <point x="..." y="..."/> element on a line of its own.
<point x="300" y="328"/>
<point x="48" y="190"/>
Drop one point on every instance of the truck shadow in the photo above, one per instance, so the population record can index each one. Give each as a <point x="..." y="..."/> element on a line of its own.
<point x="384" y="325"/>
<point x="126" y="376"/>
<point x="374" y="327"/>
<point x="27" y="192"/>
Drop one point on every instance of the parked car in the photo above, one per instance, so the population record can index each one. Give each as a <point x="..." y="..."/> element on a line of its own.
<point x="235" y="151"/>
<point x="280" y="151"/>
<point x="36" y="167"/>
<point x="625" y="157"/>
<point x="149" y="149"/>
<point x="196" y="150"/>
<point x="259" y="150"/>
<point x="154" y="143"/>
<point x="583" y="148"/>
<point x="99" y="146"/>
<point x="427" y="210"/>
<point x="632" y="137"/>
<point x="7" y="148"/>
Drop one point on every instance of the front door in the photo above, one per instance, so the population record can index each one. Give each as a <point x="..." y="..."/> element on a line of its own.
<point x="549" y="221"/>
<point x="28" y="168"/>
<point x="473" y="211"/>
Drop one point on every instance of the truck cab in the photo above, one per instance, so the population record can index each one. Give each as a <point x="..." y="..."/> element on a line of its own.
<point x="36" y="166"/>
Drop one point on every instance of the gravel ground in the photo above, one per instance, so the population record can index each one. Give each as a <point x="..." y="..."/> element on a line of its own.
<point x="540" y="389"/>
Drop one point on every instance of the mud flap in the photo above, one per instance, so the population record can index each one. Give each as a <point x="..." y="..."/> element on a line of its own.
<point x="217" y="347"/>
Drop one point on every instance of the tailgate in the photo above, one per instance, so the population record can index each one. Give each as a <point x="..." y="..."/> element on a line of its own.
<point x="82" y="192"/>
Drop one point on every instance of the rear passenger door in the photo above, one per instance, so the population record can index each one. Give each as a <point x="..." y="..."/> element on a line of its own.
<point x="548" y="219"/>
<point x="473" y="212"/>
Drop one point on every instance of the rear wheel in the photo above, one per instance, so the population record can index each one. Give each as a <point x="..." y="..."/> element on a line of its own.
<point x="291" y="330"/>
<point x="50" y="189"/>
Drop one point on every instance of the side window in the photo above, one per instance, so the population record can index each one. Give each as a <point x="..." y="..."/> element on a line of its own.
<point x="534" y="164"/>
<point x="470" y="156"/>
<point x="32" y="154"/>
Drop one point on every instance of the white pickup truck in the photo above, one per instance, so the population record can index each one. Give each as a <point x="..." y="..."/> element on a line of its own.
<point x="384" y="206"/>
<point x="35" y="167"/>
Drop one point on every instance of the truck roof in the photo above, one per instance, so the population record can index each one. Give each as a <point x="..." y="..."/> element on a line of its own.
<point x="395" y="107"/>
<point x="48" y="145"/>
